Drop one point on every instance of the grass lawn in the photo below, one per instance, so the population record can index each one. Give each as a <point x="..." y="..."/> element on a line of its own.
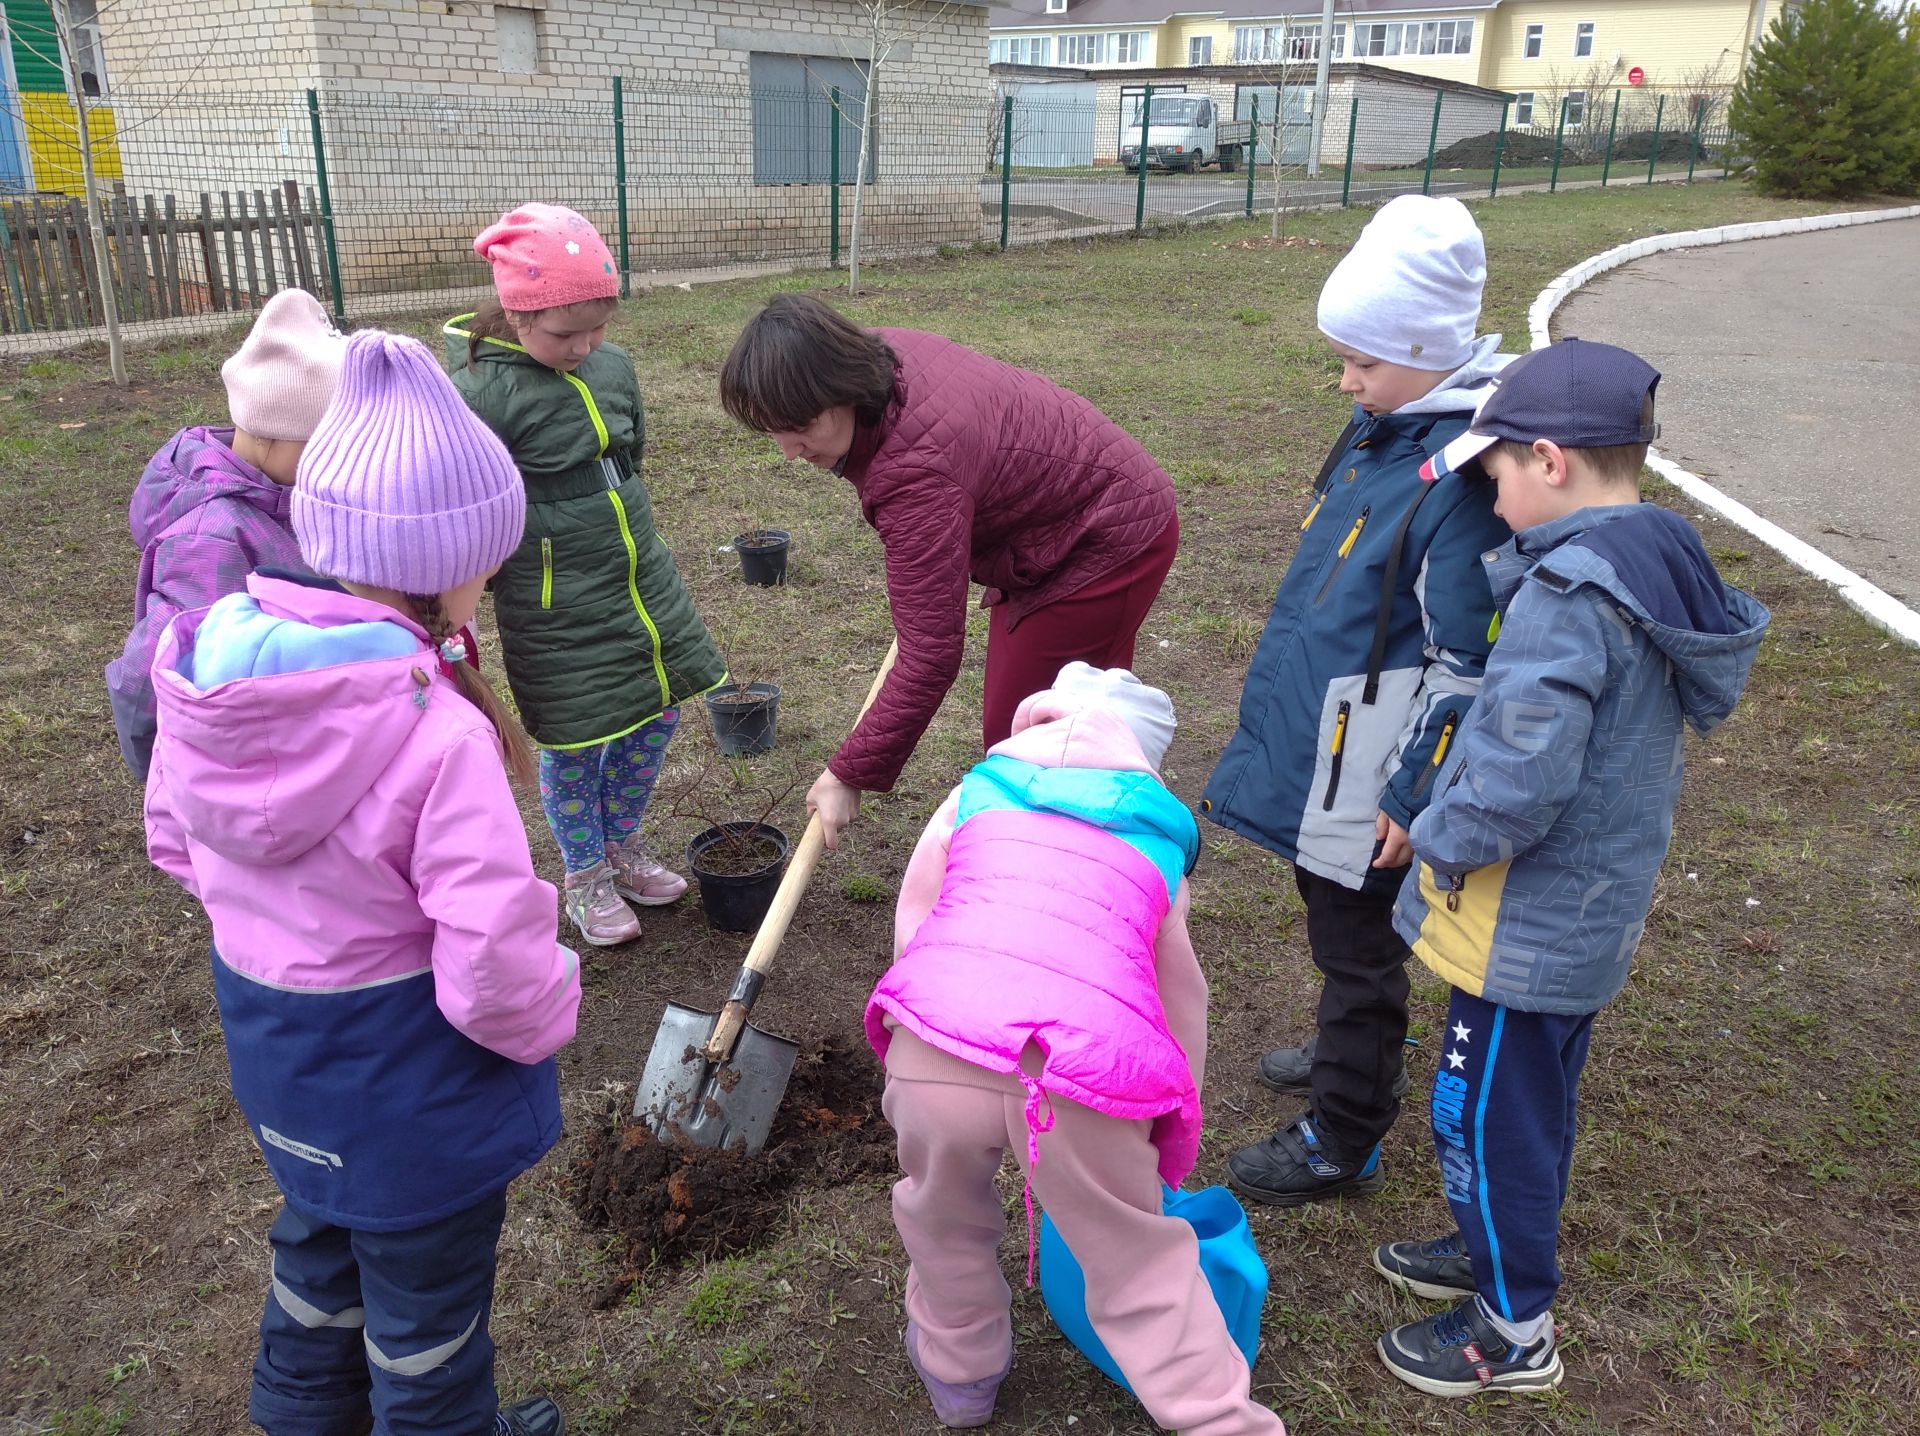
<point x="1740" y="1246"/>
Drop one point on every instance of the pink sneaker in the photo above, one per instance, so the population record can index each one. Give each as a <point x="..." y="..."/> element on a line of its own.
<point x="957" y="1403"/>
<point x="639" y="876"/>
<point x="596" y="908"/>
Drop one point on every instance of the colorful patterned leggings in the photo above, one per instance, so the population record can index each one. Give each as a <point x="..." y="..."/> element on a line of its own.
<point x="596" y="796"/>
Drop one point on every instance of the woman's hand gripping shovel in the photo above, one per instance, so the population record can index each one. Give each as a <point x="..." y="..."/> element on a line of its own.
<point x="717" y="1080"/>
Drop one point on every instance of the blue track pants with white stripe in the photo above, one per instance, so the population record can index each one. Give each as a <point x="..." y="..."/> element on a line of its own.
<point x="380" y="1329"/>
<point x="1503" y="1122"/>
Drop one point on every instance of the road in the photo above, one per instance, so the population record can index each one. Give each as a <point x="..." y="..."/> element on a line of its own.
<point x="1792" y="379"/>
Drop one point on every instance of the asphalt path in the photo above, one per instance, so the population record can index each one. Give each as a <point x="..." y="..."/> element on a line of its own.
<point x="1791" y="380"/>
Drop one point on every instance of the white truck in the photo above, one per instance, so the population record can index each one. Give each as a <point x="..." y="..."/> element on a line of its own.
<point x="1185" y="132"/>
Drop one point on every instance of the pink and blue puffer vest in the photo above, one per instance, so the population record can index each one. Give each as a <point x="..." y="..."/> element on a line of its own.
<point x="1056" y="884"/>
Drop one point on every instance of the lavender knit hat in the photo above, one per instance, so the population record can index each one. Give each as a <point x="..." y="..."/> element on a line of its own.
<point x="401" y="486"/>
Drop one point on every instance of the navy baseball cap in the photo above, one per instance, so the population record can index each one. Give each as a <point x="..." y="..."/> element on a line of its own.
<point x="1576" y="394"/>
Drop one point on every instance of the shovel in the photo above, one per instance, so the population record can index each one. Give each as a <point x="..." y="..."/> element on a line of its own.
<point x="717" y="1080"/>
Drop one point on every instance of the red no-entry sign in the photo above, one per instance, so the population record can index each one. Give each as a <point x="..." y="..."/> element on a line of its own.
<point x="1636" y="76"/>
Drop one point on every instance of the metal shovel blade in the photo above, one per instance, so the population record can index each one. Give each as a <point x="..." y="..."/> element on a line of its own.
<point x="712" y="1104"/>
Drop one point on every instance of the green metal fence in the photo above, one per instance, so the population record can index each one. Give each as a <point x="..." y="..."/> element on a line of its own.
<point x="371" y="199"/>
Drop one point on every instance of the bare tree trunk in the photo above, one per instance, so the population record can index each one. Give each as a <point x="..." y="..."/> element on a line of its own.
<point x="860" y="178"/>
<point x="109" y="300"/>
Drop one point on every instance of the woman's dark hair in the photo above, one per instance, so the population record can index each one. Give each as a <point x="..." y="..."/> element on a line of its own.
<point x="798" y="358"/>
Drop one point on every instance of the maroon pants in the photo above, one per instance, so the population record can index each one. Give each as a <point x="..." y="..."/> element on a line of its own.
<point x="1096" y="625"/>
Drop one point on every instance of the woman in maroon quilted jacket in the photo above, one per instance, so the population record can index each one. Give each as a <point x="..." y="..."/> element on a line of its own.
<point x="971" y="471"/>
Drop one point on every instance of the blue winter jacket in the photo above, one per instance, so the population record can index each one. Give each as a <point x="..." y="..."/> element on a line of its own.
<point x="1375" y="645"/>
<point x="1535" y="866"/>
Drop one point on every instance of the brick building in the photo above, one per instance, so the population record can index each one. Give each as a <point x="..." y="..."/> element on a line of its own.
<point x="438" y="114"/>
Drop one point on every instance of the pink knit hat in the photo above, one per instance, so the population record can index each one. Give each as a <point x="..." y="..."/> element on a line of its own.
<point x="280" y="380"/>
<point x="402" y="486"/>
<point x="544" y="256"/>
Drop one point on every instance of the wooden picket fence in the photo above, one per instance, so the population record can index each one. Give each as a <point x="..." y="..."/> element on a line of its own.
<point x="232" y="252"/>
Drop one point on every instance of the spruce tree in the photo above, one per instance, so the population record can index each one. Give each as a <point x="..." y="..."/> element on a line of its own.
<point x="1830" y="105"/>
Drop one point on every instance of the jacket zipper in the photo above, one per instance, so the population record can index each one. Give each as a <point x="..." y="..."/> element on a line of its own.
<point x="1447" y="725"/>
<point x="546" y="573"/>
<point x="1455" y="885"/>
<point x="1346" y="547"/>
<point x="633" y="592"/>
<point x="1339" y="752"/>
<point x="1313" y="513"/>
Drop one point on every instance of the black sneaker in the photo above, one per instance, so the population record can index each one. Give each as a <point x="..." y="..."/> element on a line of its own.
<point x="1291" y="1168"/>
<point x="1289" y="1071"/>
<point x="536" y="1416"/>
<point x="1458" y="1353"/>
<point x="1438" y="1269"/>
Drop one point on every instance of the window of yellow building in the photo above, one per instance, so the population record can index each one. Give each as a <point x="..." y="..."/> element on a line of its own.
<point x="1200" y="49"/>
<point x="1583" y="40"/>
<point x="1414" y="37"/>
<point x="1536" y="37"/>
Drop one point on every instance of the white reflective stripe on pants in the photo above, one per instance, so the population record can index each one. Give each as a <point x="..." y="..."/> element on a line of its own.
<point x="420" y="1363"/>
<point x="309" y="1315"/>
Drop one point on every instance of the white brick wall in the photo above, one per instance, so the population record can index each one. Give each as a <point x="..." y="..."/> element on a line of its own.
<point x="428" y="140"/>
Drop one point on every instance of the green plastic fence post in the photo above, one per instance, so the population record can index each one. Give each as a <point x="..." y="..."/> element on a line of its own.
<point x="1612" y="125"/>
<point x="1433" y="138"/>
<point x="1006" y="167"/>
<point x="1353" y="125"/>
<point x="1693" y="148"/>
<point x="1653" y="155"/>
<point x="1140" y="191"/>
<point x="620" y="182"/>
<point x="1253" y="149"/>
<point x="833" y="181"/>
<point x="326" y="209"/>
<point x="1499" y="144"/>
<point x="1559" y="134"/>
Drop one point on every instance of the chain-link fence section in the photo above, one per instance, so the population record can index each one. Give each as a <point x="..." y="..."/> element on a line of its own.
<point x="371" y="199"/>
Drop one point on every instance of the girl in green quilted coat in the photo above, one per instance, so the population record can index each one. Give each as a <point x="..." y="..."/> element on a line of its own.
<point x="599" y="635"/>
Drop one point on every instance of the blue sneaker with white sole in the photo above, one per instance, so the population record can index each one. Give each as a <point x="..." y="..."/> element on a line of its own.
<point x="1461" y="1353"/>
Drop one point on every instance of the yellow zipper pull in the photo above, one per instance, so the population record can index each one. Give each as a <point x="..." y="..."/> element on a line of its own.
<point x="1353" y="534"/>
<point x="1339" y="731"/>
<point x="1446" y="737"/>
<point x="1307" y="522"/>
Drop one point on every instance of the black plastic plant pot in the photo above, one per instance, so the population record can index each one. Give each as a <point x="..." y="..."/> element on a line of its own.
<point x="744" y="718"/>
<point x="738" y="867"/>
<point x="763" y="556"/>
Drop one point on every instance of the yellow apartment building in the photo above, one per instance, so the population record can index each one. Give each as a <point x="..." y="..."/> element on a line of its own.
<point x="1539" y="51"/>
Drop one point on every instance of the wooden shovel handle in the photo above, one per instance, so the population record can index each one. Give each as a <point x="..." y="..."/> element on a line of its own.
<point x="773" y="927"/>
<point x="786" y="901"/>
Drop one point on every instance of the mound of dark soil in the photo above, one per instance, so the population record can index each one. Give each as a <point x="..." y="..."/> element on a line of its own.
<point x="672" y="1203"/>
<point x="1475" y="152"/>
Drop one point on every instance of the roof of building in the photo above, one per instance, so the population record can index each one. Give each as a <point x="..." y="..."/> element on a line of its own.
<point x="1032" y="14"/>
<point x="1243" y="74"/>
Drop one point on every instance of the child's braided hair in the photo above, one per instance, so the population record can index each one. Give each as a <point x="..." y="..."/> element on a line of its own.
<point x="516" y="747"/>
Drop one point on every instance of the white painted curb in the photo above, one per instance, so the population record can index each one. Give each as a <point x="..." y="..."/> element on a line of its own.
<point x="1872" y="600"/>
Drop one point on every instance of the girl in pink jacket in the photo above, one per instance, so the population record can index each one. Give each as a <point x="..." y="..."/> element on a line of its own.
<point x="1045" y="999"/>
<point x="328" y="781"/>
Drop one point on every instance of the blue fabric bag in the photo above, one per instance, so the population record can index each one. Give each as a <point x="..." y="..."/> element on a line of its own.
<point x="1228" y="1259"/>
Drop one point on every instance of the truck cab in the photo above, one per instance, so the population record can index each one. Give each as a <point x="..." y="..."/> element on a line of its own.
<point x="1185" y="132"/>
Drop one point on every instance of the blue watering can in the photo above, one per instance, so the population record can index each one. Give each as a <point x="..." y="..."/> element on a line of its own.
<point x="1228" y="1260"/>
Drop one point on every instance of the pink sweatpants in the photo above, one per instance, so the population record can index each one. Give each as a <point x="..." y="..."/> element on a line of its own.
<point x="1098" y="1180"/>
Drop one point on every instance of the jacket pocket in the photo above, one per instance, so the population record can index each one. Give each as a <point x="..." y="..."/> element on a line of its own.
<point x="546" y="573"/>
<point x="1346" y="548"/>
<point x="1445" y="741"/>
<point x="1336" y="754"/>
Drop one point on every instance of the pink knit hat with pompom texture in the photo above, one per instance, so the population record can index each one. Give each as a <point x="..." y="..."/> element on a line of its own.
<point x="546" y="255"/>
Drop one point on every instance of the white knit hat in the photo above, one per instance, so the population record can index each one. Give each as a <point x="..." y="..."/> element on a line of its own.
<point x="1408" y="292"/>
<point x="1146" y="711"/>
<point x="280" y="380"/>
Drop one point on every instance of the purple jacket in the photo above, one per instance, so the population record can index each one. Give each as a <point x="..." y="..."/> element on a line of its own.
<point x="204" y="519"/>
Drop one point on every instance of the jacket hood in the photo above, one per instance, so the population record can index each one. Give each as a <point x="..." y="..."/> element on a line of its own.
<point x="279" y="709"/>
<point x="1466" y="388"/>
<point x="1652" y="562"/>
<point x="1086" y="764"/>
<point x="192" y="468"/>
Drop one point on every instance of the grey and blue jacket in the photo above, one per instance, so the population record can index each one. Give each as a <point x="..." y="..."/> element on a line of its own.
<point x="1375" y="645"/>
<point x="1534" y="867"/>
